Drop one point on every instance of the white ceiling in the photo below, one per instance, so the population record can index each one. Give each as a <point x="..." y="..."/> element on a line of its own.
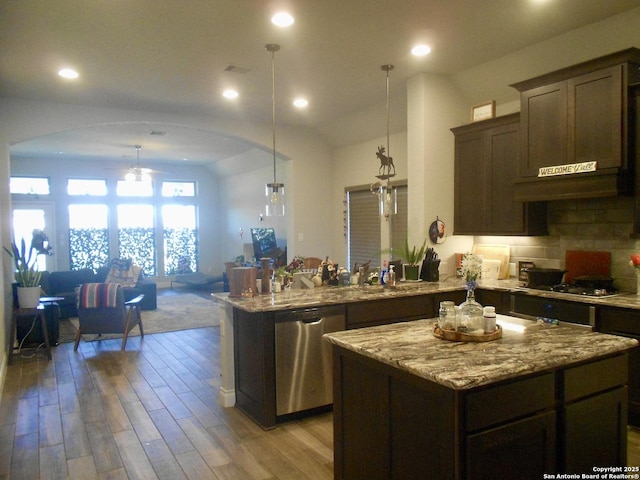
<point x="171" y="56"/>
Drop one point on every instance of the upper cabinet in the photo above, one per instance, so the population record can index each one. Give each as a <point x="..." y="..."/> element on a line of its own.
<point x="575" y="126"/>
<point x="486" y="163"/>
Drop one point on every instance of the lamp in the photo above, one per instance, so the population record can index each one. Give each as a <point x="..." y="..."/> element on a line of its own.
<point x="387" y="193"/>
<point x="274" y="190"/>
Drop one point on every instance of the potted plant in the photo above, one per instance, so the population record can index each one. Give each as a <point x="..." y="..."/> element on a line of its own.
<point x="27" y="275"/>
<point x="413" y="258"/>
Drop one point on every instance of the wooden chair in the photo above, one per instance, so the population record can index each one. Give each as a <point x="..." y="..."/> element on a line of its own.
<point x="102" y="309"/>
<point x="312" y="263"/>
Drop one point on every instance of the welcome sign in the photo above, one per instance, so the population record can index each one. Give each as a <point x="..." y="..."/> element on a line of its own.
<point x="568" y="169"/>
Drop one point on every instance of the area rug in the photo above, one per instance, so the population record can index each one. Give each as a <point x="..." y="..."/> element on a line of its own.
<point x="175" y="312"/>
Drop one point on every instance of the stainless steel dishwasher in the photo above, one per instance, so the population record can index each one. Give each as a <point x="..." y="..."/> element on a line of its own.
<point x="303" y="360"/>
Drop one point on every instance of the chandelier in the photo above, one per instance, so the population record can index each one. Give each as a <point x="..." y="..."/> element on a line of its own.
<point x="274" y="190"/>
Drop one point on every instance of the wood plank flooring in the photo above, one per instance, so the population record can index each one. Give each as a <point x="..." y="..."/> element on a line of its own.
<point x="149" y="412"/>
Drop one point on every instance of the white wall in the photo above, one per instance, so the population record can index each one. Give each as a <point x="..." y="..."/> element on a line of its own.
<point x="356" y="165"/>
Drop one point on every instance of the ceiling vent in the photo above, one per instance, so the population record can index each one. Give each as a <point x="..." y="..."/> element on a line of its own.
<point x="237" y="69"/>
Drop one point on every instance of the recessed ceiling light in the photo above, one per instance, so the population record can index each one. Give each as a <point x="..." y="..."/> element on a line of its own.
<point x="282" y="19"/>
<point x="421" y="50"/>
<point x="300" y="102"/>
<point x="68" y="73"/>
<point x="230" y="94"/>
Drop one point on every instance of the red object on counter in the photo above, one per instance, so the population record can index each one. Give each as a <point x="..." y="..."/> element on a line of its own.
<point x="579" y="263"/>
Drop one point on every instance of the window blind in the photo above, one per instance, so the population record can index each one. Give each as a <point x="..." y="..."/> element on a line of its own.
<point x="364" y="225"/>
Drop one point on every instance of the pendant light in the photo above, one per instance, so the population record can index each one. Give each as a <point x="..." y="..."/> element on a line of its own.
<point x="387" y="193"/>
<point x="274" y="190"/>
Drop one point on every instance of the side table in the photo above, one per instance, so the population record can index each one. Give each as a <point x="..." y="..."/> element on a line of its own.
<point x="37" y="312"/>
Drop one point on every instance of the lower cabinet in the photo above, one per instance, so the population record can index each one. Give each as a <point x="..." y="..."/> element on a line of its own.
<point x="390" y="310"/>
<point x="525" y="448"/>
<point x="626" y="323"/>
<point x="391" y="424"/>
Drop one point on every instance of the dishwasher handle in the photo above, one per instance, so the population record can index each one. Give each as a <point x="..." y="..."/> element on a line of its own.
<point x="308" y="315"/>
<point x="312" y="321"/>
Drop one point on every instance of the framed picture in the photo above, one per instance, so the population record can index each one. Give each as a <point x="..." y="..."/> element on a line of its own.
<point x="484" y="111"/>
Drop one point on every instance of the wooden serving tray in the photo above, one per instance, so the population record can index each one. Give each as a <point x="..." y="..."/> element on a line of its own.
<point x="465" y="337"/>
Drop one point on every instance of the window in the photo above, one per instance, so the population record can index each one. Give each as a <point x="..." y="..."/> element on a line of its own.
<point x="29" y="185"/>
<point x="364" y="225"/>
<point x="178" y="189"/>
<point x="180" y="239"/>
<point x="127" y="188"/>
<point x="25" y="221"/>
<point x="136" y="236"/>
<point x="88" y="236"/>
<point x="76" y="186"/>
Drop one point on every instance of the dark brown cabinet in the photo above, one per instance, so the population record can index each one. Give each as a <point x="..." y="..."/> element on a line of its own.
<point x="625" y="322"/>
<point x="496" y="298"/>
<point x="389" y="310"/>
<point x="577" y="120"/>
<point x="486" y="163"/>
<point x="573" y="116"/>
<point x="409" y="427"/>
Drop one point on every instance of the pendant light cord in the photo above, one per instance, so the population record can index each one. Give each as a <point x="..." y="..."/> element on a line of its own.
<point x="387" y="68"/>
<point x="273" y="48"/>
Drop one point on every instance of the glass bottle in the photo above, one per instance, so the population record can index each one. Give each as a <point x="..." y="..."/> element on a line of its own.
<point x="472" y="320"/>
<point x="447" y="315"/>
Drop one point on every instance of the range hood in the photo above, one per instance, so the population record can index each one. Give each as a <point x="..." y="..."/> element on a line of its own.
<point x="586" y="185"/>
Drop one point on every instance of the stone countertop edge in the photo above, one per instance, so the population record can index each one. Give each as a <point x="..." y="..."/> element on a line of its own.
<point x="412" y="347"/>
<point x="324" y="296"/>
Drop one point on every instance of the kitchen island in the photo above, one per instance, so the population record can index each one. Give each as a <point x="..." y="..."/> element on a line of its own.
<point x="248" y="334"/>
<point x="542" y="399"/>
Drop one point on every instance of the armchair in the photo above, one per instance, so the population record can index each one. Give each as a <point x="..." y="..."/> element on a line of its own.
<point x="102" y="309"/>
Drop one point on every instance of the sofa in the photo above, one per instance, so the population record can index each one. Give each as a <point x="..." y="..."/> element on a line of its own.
<point x="64" y="284"/>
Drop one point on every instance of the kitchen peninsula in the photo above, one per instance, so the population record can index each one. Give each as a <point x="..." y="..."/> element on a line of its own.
<point x="542" y="399"/>
<point x="248" y="326"/>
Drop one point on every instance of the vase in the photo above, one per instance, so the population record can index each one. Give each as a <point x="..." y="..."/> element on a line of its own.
<point x="28" y="297"/>
<point x="471" y="311"/>
<point x="638" y="284"/>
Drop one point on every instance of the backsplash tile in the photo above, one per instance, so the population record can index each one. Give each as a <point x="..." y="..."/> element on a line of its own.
<point x="602" y="224"/>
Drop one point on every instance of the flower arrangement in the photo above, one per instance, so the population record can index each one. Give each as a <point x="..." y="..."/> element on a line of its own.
<point x="635" y="262"/>
<point x="471" y="268"/>
<point x="295" y="265"/>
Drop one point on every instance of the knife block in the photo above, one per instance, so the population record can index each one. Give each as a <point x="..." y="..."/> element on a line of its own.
<point x="242" y="282"/>
<point x="430" y="271"/>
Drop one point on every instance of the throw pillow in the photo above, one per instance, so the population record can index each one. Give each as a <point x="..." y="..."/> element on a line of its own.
<point x="126" y="278"/>
<point x="121" y="263"/>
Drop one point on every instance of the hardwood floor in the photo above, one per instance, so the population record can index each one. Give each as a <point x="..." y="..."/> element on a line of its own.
<point x="151" y="411"/>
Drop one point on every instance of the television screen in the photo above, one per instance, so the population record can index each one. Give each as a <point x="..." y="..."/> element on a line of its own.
<point x="264" y="243"/>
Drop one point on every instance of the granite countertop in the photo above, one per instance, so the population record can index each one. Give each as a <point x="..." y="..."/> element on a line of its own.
<point x="303" y="298"/>
<point x="526" y="347"/>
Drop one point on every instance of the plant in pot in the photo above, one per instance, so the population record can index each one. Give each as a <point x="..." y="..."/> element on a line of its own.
<point x="413" y="258"/>
<point x="27" y="275"/>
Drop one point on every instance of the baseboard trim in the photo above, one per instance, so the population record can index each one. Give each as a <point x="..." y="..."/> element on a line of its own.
<point x="227" y="397"/>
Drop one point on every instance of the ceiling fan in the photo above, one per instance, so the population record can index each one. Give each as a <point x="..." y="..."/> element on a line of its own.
<point x="138" y="173"/>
